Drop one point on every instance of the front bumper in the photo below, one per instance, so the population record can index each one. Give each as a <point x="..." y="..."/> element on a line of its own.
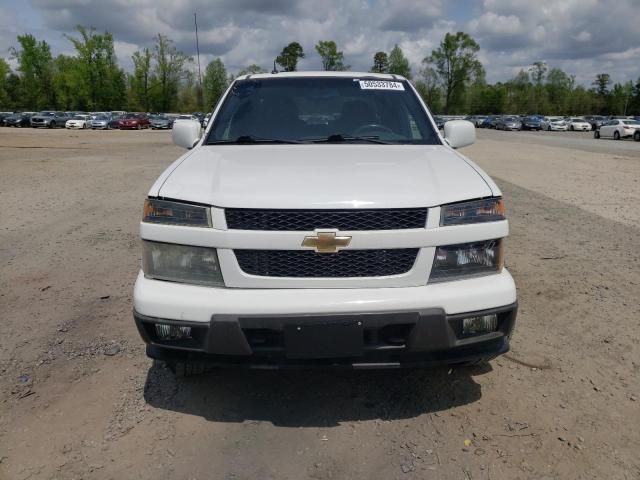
<point x="398" y="326"/>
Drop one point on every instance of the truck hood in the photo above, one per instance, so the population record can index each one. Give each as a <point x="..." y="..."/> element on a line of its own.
<point x="322" y="176"/>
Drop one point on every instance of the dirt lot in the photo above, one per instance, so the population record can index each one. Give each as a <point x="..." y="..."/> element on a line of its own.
<point x="79" y="399"/>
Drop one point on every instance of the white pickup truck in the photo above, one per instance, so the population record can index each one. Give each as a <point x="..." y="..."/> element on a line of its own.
<point x="322" y="219"/>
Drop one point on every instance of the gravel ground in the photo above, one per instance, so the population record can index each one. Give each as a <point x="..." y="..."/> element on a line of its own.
<point x="79" y="399"/>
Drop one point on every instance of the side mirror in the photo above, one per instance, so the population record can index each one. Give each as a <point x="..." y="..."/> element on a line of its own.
<point x="186" y="133"/>
<point x="459" y="133"/>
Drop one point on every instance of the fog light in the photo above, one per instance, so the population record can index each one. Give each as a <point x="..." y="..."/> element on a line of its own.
<point x="479" y="325"/>
<point x="172" y="332"/>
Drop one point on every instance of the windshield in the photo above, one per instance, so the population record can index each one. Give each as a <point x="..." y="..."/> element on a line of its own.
<point x="309" y="109"/>
<point x="101" y="117"/>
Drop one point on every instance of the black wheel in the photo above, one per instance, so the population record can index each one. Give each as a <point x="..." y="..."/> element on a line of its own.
<point x="596" y="134"/>
<point x="52" y="125"/>
<point x="616" y="135"/>
<point x="636" y="136"/>
<point x="187" y="369"/>
<point x="571" y="128"/>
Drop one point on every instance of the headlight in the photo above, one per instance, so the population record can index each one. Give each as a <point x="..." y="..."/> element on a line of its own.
<point x="181" y="263"/>
<point x="453" y="262"/>
<point x="175" y="213"/>
<point x="477" y="211"/>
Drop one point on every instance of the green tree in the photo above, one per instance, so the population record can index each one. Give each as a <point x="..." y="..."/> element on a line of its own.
<point x="67" y="83"/>
<point x="102" y="79"/>
<point x="601" y="84"/>
<point x="5" y="71"/>
<point x="332" y="59"/>
<point x="35" y="66"/>
<point x="188" y="93"/>
<point x="215" y="82"/>
<point x="380" y="63"/>
<point x="559" y="87"/>
<point x="170" y="69"/>
<point x="398" y="63"/>
<point x="456" y="62"/>
<point x="429" y="89"/>
<point x="141" y="80"/>
<point x="288" y="58"/>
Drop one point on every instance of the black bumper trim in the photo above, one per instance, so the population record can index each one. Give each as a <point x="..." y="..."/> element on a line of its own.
<point x="423" y="337"/>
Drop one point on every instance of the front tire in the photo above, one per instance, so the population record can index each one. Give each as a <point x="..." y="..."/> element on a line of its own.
<point x="616" y="135"/>
<point x="596" y="134"/>
<point x="636" y="136"/>
<point x="52" y="124"/>
<point x="571" y="128"/>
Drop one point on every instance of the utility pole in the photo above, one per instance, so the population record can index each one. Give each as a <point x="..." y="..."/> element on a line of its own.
<point x="200" y="102"/>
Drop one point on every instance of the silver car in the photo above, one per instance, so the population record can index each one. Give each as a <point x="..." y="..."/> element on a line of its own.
<point x="101" y="122"/>
<point x="509" y="123"/>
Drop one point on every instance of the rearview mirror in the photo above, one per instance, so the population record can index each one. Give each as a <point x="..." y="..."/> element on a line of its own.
<point x="186" y="133"/>
<point x="459" y="133"/>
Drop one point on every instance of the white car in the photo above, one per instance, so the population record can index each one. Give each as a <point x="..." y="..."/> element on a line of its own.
<point x="578" y="124"/>
<point x="554" y="124"/>
<point x="619" y="128"/>
<point x="78" y="122"/>
<point x="365" y="240"/>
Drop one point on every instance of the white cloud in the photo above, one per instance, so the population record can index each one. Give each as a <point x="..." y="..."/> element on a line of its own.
<point x="581" y="36"/>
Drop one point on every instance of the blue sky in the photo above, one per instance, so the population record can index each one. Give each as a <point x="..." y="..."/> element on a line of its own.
<point x="583" y="37"/>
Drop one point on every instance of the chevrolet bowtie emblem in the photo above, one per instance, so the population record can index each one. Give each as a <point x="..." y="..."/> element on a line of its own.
<point x="326" y="242"/>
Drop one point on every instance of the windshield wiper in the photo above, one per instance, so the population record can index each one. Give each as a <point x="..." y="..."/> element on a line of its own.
<point x="251" y="139"/>
<point x="340" y="137"/>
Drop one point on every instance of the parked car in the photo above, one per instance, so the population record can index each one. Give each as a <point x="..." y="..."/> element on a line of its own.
<point x="439" y="122"/>
<point x="618" y="129"/>
<point x="49" y="119"/>
<point x="115" y="121"/>
<point x="4" y="115"/>
<point x="554" y="124"/>
<point x="262" y="244"/>
<point x="579" y="124"/>
<point x="134" y="121"/>
<point x="78" y="122"/>
<point x="596" y="121"/>
<point x="160" y="122"/>
<point x="532" y="123"/>
<point x="477" y="120"/>
<point x="101" y="122"/>
<point x="508" y="123"/>
<point x="490" y="121"/>
<point x="18" y="120"/>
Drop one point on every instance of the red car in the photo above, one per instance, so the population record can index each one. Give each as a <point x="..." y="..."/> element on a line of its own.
<point x="134" y="121"/>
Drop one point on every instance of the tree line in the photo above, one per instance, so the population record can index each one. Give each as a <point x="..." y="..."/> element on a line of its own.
<point x="451" y="79"/>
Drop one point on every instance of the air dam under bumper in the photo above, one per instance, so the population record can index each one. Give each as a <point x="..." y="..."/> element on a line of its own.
<point x="415" y="332"/>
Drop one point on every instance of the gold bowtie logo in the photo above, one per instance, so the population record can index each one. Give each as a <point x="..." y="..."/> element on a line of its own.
<point x="326" y="242"/>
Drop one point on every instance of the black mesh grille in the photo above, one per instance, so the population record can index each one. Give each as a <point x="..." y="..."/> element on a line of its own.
<point x="308" y="264"/>
<point x="308" y="220"/>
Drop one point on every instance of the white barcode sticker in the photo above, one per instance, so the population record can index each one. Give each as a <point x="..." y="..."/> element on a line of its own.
<point x="381" y="85"/>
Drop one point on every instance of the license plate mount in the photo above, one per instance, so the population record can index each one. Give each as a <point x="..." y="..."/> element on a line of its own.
<point x="339" y="339"/>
